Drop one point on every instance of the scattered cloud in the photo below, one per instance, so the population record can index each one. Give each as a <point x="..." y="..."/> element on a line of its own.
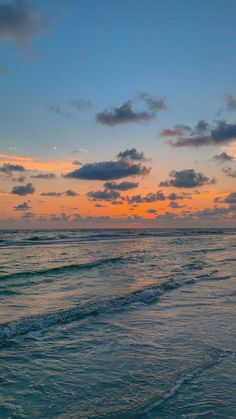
<point x="223" y="157"/>
<point x="123" y="186"/>
<point x="150" y="197"/>
<point x="20" y="22"/>
<point x="187" y="179"/>
<point x="81" y="104"/>
<point x="103" y="195"/>
<point x="131" y="154"/>
<point x="231" y="198"/>
<point x="230" y="101"/>
<point x="58" y="110"/>
<point x="126" y="114"/>
<point x="19" y="179"/>
<point x="151" y="211"/>
<point x="69" y="192"/>
<point x="8" y="168"/>
<point x="22" y="207"/>
<point x="28" y="216"/>
<point x="174" y="196"/>
<point x="44" y="176"/>
<point x="220" y="132"/>
<point x="228" y="171"/>
<point x="174" y="204"/>
<point x="27" y="189"/>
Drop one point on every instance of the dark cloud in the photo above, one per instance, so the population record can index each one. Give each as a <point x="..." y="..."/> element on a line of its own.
<point x="44" y="176"/>
<point x="8" y="168"/>
<point x="231" y="198"/>
<point x="221" y="132"/>
<point x="131" y="154"/>
<point x="174" y="196"/>
<point x="108" y="170"/>
<point x="103" y="195"/>
<point x="126" y="114"/>
<point x="228" y="171"/>
<point x="150" y="197"/>
<point x="151" y="211"/>
<point x="123" y="186"/>
<point x="77" y="163"/>
<point x="230" y="102"/>
<point x="20" y="22"/>
<point x="187" y="179"/>
<point x="81" y="104"/>
<point x="174" y="204"/>
<point x="222" y="157"/>
<point x="22" y="207"/>
<point x="69" y="192"/>
<point x="28" y="189"/>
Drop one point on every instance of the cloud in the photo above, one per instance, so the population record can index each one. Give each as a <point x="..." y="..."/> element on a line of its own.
<point x="126" y="114"/>
<point x="20" y="22"/>
<point x="123" y="186"/>
<point x="19" y="179"/>
<point x="103" y="195"/>
<point x="228" y="171"/>
<point x="22" y="207"/>
<point x="51" y="194"/>
<point x="77" y="163"/>
<point x="28" y="189"/>
<point x="223" y="157"/>
<point x="221" y="132"/>
<point x="174" y="196"/>
<point x="150" y="197"/>
<point x="44" y="176"/>
<point x="58" y="110"/>
<point x="108" y="170"/>
<point x="230" y="102"/>
<point x="231" y="198"/>
<point x="81" y="104"/>
<point x="8" y="168"/>
<point x="187" y="179"/>
<point x="28" y="216"/>
<point x="155" y="104"/>
<point x="174" y="204"/>
<point x="131" y="154"/>
<point x="151" y="211"/>
<point x="69" y="192"/>
<point x="178" y="129"/>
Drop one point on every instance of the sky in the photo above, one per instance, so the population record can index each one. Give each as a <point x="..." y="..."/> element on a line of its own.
<point x="117" y="114"/>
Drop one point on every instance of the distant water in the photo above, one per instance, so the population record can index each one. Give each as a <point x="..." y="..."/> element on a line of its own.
<point x="118" y="324"/>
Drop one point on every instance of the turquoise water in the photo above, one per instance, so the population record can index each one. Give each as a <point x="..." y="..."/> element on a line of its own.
<point x="118" y="324"/>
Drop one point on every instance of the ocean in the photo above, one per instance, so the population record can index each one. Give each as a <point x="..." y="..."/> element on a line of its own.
<point x="118" y="323"/>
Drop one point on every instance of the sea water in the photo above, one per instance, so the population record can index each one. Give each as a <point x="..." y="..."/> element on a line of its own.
<point x="118" y="323"/>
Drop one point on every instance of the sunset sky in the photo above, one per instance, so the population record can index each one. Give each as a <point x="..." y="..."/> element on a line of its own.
<point x="117" y="113"/>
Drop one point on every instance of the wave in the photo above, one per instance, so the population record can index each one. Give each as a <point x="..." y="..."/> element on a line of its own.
<point x="220" y="355"/>
<point x="63" y="268"/>
<point x="39" y="322"/>
<point x="46" y="237"/>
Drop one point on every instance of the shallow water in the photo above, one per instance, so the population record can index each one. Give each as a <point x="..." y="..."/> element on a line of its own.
<point x="118" y="324"/>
